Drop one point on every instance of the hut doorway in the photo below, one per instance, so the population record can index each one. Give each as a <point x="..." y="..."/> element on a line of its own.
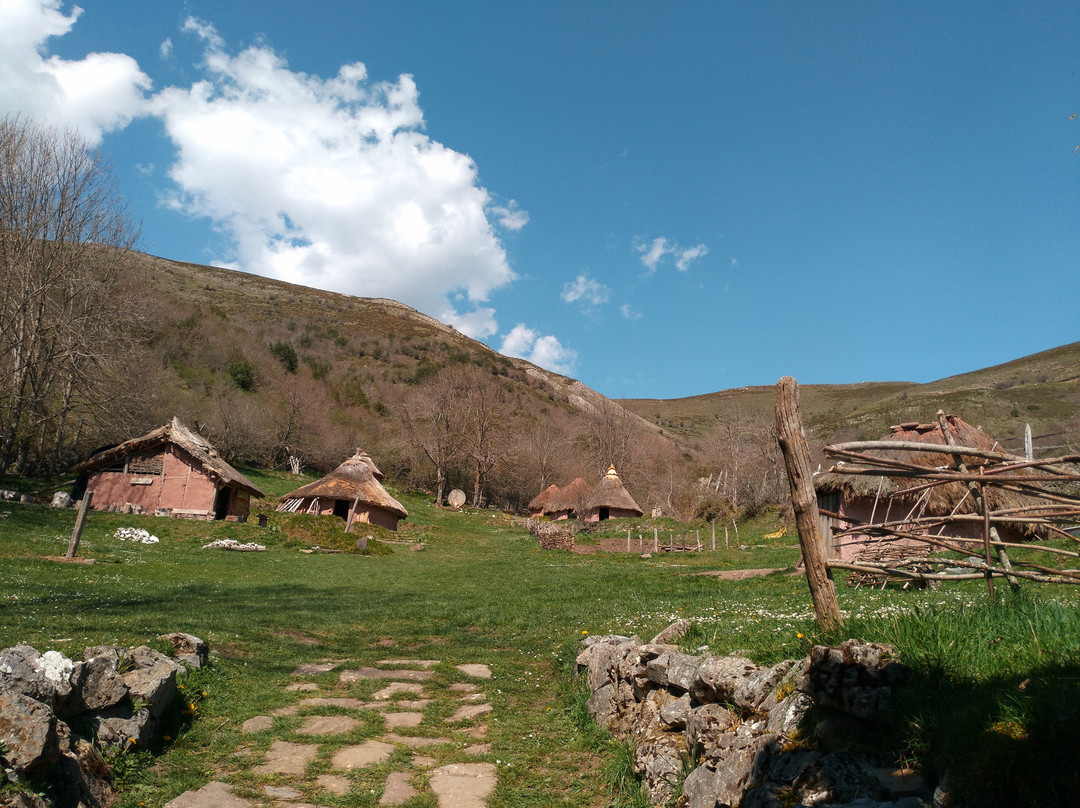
<point x="221" y="503"/>
<point x="341" y="508"/>
<point x="603" y="514"/>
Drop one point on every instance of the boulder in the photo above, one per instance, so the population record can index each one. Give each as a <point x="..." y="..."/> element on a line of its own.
<point x="28" y="730"/>
<point x="43" y="677"/>
<point x="152" y="680"/>
<point x="674" y="711"/>
<point x="856" y="677"/>
<point x="836" y="778"/>
<point x="61" y="499"/>
<point x="673" y="633"/>
<point x="188" y="648"/>
<point x="719" y="678"/>
<point x="738" y="762"/>
<point x="673" y="669"/>
<point x="96" y="684"/>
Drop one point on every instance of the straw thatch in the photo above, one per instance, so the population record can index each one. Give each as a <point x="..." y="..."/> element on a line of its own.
<point x="940" y="499"/>
<point x="175" y="433"/>
<point x="610" y="499"/>
<point x="352" y="481"/>
<point x="537" y="503"/>
<point x="569" y="500"/>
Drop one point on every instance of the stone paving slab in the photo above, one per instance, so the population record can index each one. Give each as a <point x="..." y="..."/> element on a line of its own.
<point x="477" y="671"/>
<point x="410" y="663"/>
<point x="328" y="725"/>
<point x="282" y="792"/>
<point x="398" y="789"/>
<point x="415" y="742"/>
<point x="212" y="795"/>
<point x="394" y="688"/>
<point x="357" y="757"/>
<point x="464" y="687"/>
<point x="292" y="687"/>
<point x="292" y="709"/>
<point x="478" y="749"/>
<point x="469" y="712"/>
<point x="334" y="783"/>
<point x="257" y="724"/>
<point x="314" y="668"/>
<point x="473" y="697"/>
<point x="287" y="758"/>
<point x="463" y="785"/>
<point x="339" y="701"/>
<point x="408" y="720"/>
<point x="423" y="761"/>
<point x="403" y="675"/>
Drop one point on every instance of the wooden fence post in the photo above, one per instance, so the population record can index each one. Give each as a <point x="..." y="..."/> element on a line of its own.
<point x="792" y="439"/>
<point x="80" y="520"/>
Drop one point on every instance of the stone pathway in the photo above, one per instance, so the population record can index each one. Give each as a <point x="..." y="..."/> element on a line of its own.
<point x="401" y="699"/>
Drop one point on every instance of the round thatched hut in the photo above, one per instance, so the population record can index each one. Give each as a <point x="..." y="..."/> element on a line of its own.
<point x="865" y="499"/>
<point x="610" y="500"/>
<point x="569" y="502"/>
<point x="350" y="488"/>
<point x="537" y="503"/>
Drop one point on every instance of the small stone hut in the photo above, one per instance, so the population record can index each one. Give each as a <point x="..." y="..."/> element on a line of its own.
<point x="353" y="487"/>
<point x="610" y="500"/>
<point x="171" y="471"/>
<point x="569" y="502"/>
<point x="537" y="503"/>
<point x="861" y="499"/>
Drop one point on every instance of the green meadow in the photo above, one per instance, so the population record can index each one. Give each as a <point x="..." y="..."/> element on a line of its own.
<point x="995" y="701"/>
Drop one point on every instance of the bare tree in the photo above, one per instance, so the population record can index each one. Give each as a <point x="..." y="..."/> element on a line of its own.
<point x="431" y="422"/>
<point x="486" y="429"/>
<point x="61" y="324"/>
<point x="608" y="439"/>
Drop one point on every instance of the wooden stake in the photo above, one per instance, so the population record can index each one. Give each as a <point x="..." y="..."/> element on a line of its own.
<point x="792" y="439"/>
<point x="80" y="520"/>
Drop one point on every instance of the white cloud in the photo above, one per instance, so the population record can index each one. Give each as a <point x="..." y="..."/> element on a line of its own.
<point x="511" y="216"/>
<point x="585" y="289"/>
<point x="165" y="48"/>
<point x="629" y="313"/>
<point x="332" y="183"/>
<point x="653" y="252"/>
<point x="547" y="352"/>
<point x="98" y="94"/>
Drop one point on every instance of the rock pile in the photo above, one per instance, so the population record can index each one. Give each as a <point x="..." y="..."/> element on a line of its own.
<point x="50" y="708"/>
<point x="740" y="732"/>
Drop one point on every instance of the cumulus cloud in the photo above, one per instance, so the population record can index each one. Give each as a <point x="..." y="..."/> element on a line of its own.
<point x="332" y="183"/>
<point x="586" y="290"/>
<point x="629" y="312"/>
<point x="545" y="351"/>
<point x="655" y="251"/>
<point x="98" y="94"/>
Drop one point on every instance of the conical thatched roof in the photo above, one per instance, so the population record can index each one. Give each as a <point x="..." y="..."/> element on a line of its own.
<point x="353" y="478"/>
<point x="538" y="502"/>
<point x="175" y="433"/>
<point x="942" y="498"/>
<point x="610" y="493"/>
<point x="569" y="498"/>
<point x="366" y="459"/>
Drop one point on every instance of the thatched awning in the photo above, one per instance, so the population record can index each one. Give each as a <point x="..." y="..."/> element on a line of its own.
<point x="941" y="499"/>
<point x="610" y="493"/>
<point x="179" y="435"/>
<point x="351" y="480"/>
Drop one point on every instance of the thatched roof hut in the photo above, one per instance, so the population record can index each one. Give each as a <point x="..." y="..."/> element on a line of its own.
<point x="871" y="498"/>
<point x="569" y="501"/>
<point x="537" y="503"/>
<point x="610" y="500"/>
<point x="351" y="485"/>
<point x="170" y="471"/>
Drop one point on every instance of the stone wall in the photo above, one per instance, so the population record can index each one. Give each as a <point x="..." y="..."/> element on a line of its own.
<point x="58" y="716"/>
<point x="729" y="732"/>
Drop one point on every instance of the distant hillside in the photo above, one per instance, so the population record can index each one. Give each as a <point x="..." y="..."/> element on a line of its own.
<point x="1042" y="390"/>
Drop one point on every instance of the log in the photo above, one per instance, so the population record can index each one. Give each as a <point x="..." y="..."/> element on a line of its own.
<point x="792" y="440"/>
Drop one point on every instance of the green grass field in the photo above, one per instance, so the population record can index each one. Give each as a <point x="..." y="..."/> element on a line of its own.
<point x="997" y="685"/>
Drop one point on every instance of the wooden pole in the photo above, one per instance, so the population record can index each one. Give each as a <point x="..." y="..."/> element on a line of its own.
<point x="352" y="514"/>
<point x="80" y="520"/>
<point x="792" y="439"/>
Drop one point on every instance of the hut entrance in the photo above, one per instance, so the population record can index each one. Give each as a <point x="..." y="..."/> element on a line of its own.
<point x="603" y="514"/>
<point x="221" y="502"/>
<point x="341" y="508"/>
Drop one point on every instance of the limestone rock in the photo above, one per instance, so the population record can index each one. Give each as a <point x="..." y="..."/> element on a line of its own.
<point x="836" y="778"/>
<point x="96" y="684"/>
<point x="856" y="677"/>
<point x="719" y="678"/>
<point x="61" y="499"/>
<point x="673" y="633"/>
<point x="674" y="712"/>
<point x="189" y="649"/>
<point x="43" y="677"/>
<point x="658" y="761"/>
<point x="704" y="725"/>
<point x="152" y="679"/>
<point x="674" y="669"/>
<point x="755" y="689"/>
<point x="28" y="730"/>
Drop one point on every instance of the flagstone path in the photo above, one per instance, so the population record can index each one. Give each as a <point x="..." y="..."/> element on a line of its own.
<point x="288" y="765"/>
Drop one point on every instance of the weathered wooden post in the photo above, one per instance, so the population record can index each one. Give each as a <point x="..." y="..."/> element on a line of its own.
<point x="792" y="439"/>
<point x="80" y="520"/>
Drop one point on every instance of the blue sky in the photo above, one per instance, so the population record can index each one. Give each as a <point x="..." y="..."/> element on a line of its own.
<point x="660" y="199"/>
